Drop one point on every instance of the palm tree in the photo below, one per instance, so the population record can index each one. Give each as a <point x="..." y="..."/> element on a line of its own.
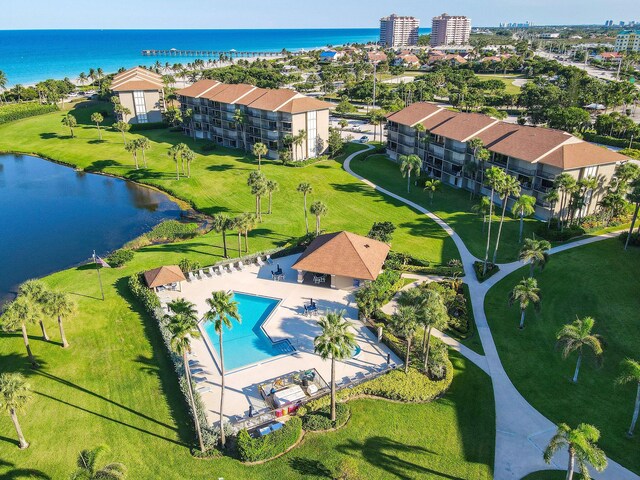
<point x="481" y="155"/>
<point x="336" y="342"/>
<point x="183" y="326"/>
<point x="122" y="127"/>
<point x="409" y="164"/>
<point x="633" y="197"/>
<point x="143" y="144"/>
<point x="88" y="468"/>
<point x="240" y="119"/>
<point x="3" y="83"/>
<point x="14" y="395"/>
<point x="260" y="149"/>
<point x="59" y="305"/>
<point x="631" y="374"/>
<point x="405" y="323"/>
<point x="343" y="123"/>
<point x="525" y="292"/>
<point x="535" y="253"/>
<point x="551" y="197"/>
<point x="482" y="207"/>
<point x="174" y="152"/>
<point x="18" y="314"/>
<point x="510" y="187"/>
<point x="237" y="224"/>
<point x="82" y="79"/>
<point x="187" y="155"/>
<point x="70" y="121"/>
<point x="221" y="223"/>
<point x="524" y="206"/>
<point x="495" y="177"/>
<point x="132" y="147"/>
<point x="319" y="209"/>
<point x="581" y="444"/>
<point x="432" y="186"/>
<point x="97" y="118"/>
<point x="564" y="184"/>
<point x="248" y="223"/>
<point x="92" y="75"/>
<point x="271" y="187"/>
<point x="222" y="309"/>
<point x="306" y="189"/>
<point x="99" y="76"/>
<point x="259" y="189"/>
<point x="298" y="140"/>
<point x="574" y="336"/>
<point x="432" y="313"/>
<point x="35" y="291"/>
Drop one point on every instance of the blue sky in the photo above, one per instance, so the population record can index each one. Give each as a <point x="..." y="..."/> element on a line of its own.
<point x="37" y="14"/>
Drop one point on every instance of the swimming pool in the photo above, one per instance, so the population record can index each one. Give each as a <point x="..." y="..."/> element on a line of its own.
<point x="246" y="343"/>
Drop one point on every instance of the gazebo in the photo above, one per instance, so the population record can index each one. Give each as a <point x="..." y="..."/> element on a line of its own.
<point x="344" y="256"/>
<point x="165" y="278"/>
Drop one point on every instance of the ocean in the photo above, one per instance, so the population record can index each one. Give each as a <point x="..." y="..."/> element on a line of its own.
<point x="29" y="56"/>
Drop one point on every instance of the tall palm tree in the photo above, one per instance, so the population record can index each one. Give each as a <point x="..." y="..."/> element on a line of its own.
<point x="298" y="141"/>
<point x="132" y="148"/>
<point x="59" y="305"/>
<point x="187" y="155"/>
<point x="525" y="292"/>
<point x="237" y="224"/>
<point x="183" y="326"/>
<point x="97" y="118"/>
<point x="581" y="445"/>
<point x="35" y="291"/>
<point x="122" y="127"/>
<point x="70" y="122"/>
<point x="82" y="79"/>
<point x="14" y="395"/>
<point x="259" y="189"/>
<point x="535" y="253"/>
<point x="319" y="209"/>
<point x="336" y="342"/>
<point x="551" y="197"/>
<point x="577" y="335"/>
<point x="509" y="188"/>
<point x="260" y="149"/>
<point x="409" y="164"/>
<point x="221" y="223"/>
<point x="271" y="187"/>
<point x="174" y="152"/>
<point x="634" y="197"/>
<point x="240" y="119"/>
<point x="564" y="184"/>
<point x="18" y="314"/>
<point x="495" y="178"/>
<point x="89" y="469"/>
<point x="248" y="223"/>
<point x="405" y="323"/>
<point x="222" y="309"/>
<point x="143" y="144"/>
<point x="3" y="83"/>
<point x="432" y="186"/>
<point x="306" y="189"/>
<point x="631" y="374"/>
<point x="481" y="155"/>
<point x="482" y="207"/>
<point x="524" y="206"/>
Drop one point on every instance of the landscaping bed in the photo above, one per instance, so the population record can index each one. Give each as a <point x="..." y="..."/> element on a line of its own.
<point x="478" y="268"/>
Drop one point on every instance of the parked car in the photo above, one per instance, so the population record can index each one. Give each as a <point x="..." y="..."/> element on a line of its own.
<point x="364" y="139"/>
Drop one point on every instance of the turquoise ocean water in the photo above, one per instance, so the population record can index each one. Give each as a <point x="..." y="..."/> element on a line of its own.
<point x="28" y="56"/>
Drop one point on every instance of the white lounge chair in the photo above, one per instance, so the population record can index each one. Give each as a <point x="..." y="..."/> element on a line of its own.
<point x="201" y="274"/>
<point x="218" y="271"/>
<point x="199" y="380"/>
<point x="240" y="266"/>
<point x="204" y="389"/>
<point x="197" y="370"/>
<point x="228" y="268"/>
<point x="190" y="276"/>
<point x="269" y="261"/>
<point x="211" y="271"/>
<point x="259" y="261"/>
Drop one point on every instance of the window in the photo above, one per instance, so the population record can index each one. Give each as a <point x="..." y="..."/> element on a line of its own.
<point x="140" y="106"/>
<point x="590" y="172"/>
<point x="311" y="134"/>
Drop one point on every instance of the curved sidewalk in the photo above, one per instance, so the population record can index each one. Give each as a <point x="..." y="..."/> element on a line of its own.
<point x="522" y="432"/>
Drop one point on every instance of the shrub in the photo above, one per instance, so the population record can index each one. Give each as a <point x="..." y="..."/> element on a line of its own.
<point x="265" y="448"/>
<point x="168" y="231"/>
<point x="634" y="240"/>
<point x="187" y="265"/>
<point x="478" y="266"/>
<point x="120" y="257"/>
<point x="631" y="152"/>
<point x="611" y="141"/>
<point x="347" y="470"/>
<point x="321" y="418"/>
<point x="305" y="163"/>
<point x="17" y="111"/>
<point x="553" y="234"/>
<point x="208" y="147"/>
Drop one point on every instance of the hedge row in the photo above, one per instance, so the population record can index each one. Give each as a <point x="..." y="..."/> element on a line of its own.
<point x="264" y="448"/>
<point x="140" y="127"/>
<point x="611" y="141"/>
<point x="321" y="419"/>
<point x="168" y="231"/>
<point x="16" y="111"/>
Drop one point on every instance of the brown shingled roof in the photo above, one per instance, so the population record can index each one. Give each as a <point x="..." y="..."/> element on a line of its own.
<point x="531" y="143"/>
<point x="344" y="254"/>
<point x="136" y="85"/>
<point x="464" y="126"/>
<point x="163" y="276"/>
<point x="229" y="93"/>
<point x="272" y="99"/>
<point x="136" y="78"/>
<point x="198" y="88"/>
<point x="414" y="113"/>
<point x="581" y="154"/>
<point x="304" y="104"/>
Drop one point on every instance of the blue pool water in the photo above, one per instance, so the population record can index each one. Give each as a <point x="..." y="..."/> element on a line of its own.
<point x="246" y="343"/>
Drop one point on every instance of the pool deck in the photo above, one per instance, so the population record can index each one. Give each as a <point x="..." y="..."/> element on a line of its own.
<point x="287" y="322"/>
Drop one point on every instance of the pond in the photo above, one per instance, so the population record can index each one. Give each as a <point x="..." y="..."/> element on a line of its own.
<point x="52" y="217"/>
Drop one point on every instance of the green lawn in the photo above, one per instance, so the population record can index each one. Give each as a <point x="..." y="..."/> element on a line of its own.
<point x="451" y="204"/>
<point x="218" y="183"/>
<point x="598" y="280"/>
<point x="116" y="386"/>
<point x="506" y="79"/>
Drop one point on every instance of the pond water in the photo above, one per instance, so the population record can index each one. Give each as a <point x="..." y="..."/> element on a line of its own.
<point x="53" y="217"/>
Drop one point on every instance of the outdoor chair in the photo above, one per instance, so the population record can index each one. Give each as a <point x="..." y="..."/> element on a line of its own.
<point x="201" y="274"/>
<point x="195" y="371"/>
<point x="259" y="261"/>
<point x="211" y="272"/>
<point x="190" y="277"/>
<point x="269" y="261"/>
<point x="241" y="266"/>
<point x="228" y="268"/>
<point x="199" y="379"/>
<point x="204" y="389"/>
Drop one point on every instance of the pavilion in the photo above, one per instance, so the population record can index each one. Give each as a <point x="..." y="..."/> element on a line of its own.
<point x="168" y="277"/>
<point x="345" y="257"/>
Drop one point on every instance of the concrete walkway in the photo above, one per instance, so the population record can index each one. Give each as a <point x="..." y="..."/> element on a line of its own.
<point x="522" y="432"/>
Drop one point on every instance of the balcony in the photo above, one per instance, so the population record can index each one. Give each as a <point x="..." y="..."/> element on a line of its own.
<point x="436" y="150"/>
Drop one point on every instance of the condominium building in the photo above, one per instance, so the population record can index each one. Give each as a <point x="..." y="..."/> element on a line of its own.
<point x="534" y="155"/>
<point x="142" y="92"/>
<point x="399" y="31"/>
<point x="628" y="41"/>
<point x="450" y="30"/>
<point x="240" y="115"/>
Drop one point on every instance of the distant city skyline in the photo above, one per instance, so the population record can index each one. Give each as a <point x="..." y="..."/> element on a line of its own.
<point x="159" y="14"/>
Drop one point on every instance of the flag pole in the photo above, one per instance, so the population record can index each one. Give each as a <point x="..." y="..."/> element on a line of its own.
<point x="98" y="270"/>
